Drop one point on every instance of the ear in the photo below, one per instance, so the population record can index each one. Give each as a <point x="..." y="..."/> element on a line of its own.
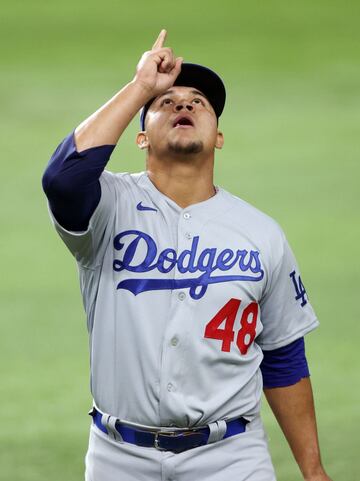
<point x="219" y="140"/>
<point x="142" y="141"/>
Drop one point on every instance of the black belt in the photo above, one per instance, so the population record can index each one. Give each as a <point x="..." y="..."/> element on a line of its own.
<point x="176" y="441"/>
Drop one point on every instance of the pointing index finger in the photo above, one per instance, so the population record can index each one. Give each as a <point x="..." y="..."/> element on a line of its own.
<point x="159" y="43"/>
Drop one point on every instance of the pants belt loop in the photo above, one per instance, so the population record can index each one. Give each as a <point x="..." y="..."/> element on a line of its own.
<point x="217" y="431"/>
<point x="110" y="423"/>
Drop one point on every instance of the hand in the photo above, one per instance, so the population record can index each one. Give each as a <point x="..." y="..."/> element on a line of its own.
<point x="158" y="68"/>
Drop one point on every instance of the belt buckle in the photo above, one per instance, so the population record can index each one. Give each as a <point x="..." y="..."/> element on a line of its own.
<point x="174" y="434"/>
<point x="163" y="433"/>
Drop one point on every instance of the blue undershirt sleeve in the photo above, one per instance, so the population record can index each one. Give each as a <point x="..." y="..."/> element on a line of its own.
<point x="71" y="182"/>
<point x="285" y="366"/>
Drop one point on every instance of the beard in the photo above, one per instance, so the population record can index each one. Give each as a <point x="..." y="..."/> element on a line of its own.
<point x="179" y="148"/>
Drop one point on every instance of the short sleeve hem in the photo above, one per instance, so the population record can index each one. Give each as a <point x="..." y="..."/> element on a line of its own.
<point x="268" y="346"/>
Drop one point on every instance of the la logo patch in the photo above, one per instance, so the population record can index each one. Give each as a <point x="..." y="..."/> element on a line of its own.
<point x="299" y="288"/>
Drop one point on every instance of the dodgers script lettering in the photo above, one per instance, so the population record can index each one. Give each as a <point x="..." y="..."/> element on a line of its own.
<point x="140" y="254"/>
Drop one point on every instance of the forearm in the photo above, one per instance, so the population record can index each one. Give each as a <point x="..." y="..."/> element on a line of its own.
<point x="155" y="73"/>
<point x="293" y="407"/>
<point x="105" y="126"/>
<point x="71" y="180"/>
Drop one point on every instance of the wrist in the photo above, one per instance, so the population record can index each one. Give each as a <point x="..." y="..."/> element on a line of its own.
<point x="315" y="474"/>
<point x="142" y="90"/>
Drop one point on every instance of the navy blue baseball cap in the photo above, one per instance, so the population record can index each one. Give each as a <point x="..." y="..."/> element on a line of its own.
<point x="203" y="79"/>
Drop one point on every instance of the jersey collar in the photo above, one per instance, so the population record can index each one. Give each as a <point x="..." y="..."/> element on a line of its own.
<point x="216" y="204"/>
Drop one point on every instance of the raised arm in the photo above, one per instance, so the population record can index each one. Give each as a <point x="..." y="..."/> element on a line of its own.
<point x="155" y="73"/>
<point x="71" y="179"/>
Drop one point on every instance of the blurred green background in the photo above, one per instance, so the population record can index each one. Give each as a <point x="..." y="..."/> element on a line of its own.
<point x="292" y="149"/>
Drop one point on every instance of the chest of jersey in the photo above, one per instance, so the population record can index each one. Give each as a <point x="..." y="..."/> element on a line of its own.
<point x="190" y="272"/>
<point x="176" y="300"/>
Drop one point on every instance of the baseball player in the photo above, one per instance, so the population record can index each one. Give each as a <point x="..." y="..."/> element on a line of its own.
<point x="193" y="297"/>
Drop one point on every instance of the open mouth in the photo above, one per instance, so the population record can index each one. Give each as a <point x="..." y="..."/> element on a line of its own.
<point x="183" y="121"/>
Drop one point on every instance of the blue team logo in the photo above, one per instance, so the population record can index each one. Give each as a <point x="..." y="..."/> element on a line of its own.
<point x="139" y="253"/>
<point x="299" y="288"/>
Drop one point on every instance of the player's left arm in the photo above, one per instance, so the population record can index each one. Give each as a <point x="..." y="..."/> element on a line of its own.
<point x="287" y="316"/>
<point x="293" y="407"/>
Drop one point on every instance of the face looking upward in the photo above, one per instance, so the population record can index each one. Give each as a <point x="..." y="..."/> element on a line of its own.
<point x="180" y="122"/>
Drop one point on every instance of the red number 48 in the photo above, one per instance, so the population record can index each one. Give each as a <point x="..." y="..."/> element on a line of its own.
<point x="227" y="313"/>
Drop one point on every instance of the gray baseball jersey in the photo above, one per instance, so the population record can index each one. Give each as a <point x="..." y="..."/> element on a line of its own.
<point x="180" y="302"/>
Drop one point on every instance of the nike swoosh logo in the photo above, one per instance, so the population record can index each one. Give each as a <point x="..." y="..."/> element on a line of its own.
<point x="143" y="207"/>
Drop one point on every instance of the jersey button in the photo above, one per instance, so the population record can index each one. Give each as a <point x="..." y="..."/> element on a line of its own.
<point x="187" y="215"/>
<point x="181" y="296"/>
<point x="174" y="341"/>
<point x="188" y="235"/>
<point x="170" y="387"/>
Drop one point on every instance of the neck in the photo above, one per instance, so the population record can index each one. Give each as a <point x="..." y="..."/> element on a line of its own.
<point x="185" y="182"/>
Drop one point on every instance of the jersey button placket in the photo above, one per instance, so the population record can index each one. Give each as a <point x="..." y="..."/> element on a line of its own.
<point x="181" y="296"/>
<point x="174" y="371"/>
<point x="174" y="341"/>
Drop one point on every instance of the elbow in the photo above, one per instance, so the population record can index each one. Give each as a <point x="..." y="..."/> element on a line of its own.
<point x="54" y="178"/>
<point x="46" y="182"/>
<point x="54" y="184"/>
<point x="51" y="182"/>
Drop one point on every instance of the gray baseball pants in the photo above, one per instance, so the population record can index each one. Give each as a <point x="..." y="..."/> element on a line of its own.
<point x="243" y="457"/>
